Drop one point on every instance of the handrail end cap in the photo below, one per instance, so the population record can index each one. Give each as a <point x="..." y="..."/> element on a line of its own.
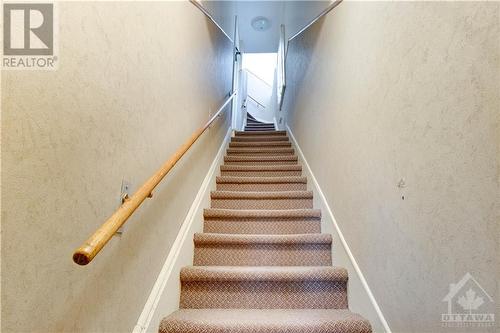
<point x="81" y="258"/>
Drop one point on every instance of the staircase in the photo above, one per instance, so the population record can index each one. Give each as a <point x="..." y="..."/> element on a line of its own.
<point x="262" y="264"/>
<point x="255" y="125"/>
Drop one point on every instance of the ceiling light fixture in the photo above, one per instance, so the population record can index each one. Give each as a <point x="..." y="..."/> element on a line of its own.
<point x="261" y="23"/>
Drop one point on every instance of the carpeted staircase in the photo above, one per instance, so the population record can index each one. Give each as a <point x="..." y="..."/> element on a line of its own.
<point x="262" y="264"/>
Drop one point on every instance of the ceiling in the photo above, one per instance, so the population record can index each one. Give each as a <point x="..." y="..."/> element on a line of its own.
<point x="293" y="14"/>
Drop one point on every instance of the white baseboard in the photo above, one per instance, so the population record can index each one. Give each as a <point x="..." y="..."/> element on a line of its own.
<point x="364" y="303"/>
<point x="181" y="251"/>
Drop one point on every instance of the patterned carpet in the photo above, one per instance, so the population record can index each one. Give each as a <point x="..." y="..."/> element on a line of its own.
<point x="262" y="264"/>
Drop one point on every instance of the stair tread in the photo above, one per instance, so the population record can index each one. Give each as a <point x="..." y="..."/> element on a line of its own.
<point x="263" y="273"/>
<point x="246" y="239"/>
<point x="264" y="321"/>
<point x="260" y="180"/>
<point x="261" y="195"/>
<point x="261" y="213"/>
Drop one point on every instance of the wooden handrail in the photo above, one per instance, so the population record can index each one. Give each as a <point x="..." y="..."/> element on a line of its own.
<point x="85" y="253"/>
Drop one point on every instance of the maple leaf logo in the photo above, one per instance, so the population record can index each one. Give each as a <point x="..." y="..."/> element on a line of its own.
<point x="470" y="301"/>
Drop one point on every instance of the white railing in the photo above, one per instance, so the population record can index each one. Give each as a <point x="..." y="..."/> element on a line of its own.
<point x="209" y="15"/>
<point x="281" y="74"/>
<point x="283" y="51"/>
<point x="257" y="77"/>
<point x="257" y="95"/>
<point x="256" y="102"/>
<point x="320" y="15"/>
<point x="257" y="89"/>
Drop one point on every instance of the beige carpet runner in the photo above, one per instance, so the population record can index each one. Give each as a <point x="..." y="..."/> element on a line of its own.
<point x="262" y="264"/>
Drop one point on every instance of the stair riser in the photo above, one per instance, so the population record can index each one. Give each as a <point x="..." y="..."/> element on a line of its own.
<point x="258" y="138"/>
<point x="257" y="122"/>
<point x="254" y="163"/>
<point x="262" y="187"/>
<point x="263" y="255"/>
<point x="275" y="145"/>
<point x="264" y="295"/>
<point x="263" y="133"/>
<point x="269" y="145"/>
<point x="252" y="123"/>
<point x="262" y="227"/>
<point x="264" y="321"/>
<point x="261" y="173"/>
<point x="260" y="128"/>
<point x="250" y="130"/>
<point x="263" y="204"/>
<point x="260" y="160"/>
<point x="260" y="151"/>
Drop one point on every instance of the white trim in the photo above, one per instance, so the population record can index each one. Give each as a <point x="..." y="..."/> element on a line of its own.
<point x="314" y="20"/>
<point x="207" y="13"/>
<point x="341" y="236"/>
<point x="156" y="292"/>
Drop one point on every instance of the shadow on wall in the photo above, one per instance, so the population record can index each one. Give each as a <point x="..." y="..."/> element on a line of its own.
<point x="301" y="59"/>
<point x="213" y="31"/>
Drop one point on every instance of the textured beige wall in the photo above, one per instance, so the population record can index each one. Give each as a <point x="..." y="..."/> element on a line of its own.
<point x="134" y="81"/>
<point x="379" y="91"/>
